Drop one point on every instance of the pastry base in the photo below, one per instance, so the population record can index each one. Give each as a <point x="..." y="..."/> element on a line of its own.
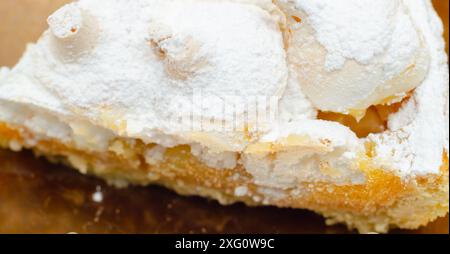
<point x="384" y="202"/>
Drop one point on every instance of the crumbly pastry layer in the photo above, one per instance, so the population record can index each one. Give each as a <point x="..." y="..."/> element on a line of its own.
<point x="100" y="89"/>
<point x="382" y="202"/>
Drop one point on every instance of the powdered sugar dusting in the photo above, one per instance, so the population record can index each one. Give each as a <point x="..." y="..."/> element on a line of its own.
<point x="419" y="132"/>
<point x="114" y="64"/>
<point x="352" y="54"/>
<point x="334" y="23"/>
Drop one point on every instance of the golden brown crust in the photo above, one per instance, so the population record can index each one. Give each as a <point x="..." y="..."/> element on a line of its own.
<point x="384" y="201"/>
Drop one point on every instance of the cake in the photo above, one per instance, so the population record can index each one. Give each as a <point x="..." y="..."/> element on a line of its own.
<point x="339" y="107"/>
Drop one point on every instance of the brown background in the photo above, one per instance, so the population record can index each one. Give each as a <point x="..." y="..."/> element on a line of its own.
<point x="37" y="197"/>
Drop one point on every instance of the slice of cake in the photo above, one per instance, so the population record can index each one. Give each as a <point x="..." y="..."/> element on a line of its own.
<point x="340" y="107"/>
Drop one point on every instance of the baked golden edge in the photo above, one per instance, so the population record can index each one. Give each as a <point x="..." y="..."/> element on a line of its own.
<point x="384" y="202"/>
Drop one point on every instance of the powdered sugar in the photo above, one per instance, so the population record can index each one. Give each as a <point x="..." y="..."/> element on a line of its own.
<point x="351" y="29"/>
<point x="136" y="65"/>
<point x="125" y="60"/>
<point x="352" y="54"/>
<point x="420" y="130"/>
<point x="3" y="72"/>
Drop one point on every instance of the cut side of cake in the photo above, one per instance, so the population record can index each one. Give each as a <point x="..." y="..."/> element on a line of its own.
<point x="291" y="103"/>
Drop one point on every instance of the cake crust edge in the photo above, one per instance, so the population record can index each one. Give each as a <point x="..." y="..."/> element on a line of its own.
<point x="384" y="202"/>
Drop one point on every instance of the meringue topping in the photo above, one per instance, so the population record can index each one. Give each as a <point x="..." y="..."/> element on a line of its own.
<point x="119" y="68"/>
